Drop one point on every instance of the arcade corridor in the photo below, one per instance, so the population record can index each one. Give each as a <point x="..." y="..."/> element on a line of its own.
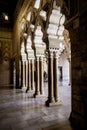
<point x="20" y="111"/>
<point x="34" y="34"/>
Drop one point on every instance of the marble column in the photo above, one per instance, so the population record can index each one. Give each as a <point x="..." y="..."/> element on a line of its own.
<point x="69" y="71"/>
<point x="50" y="100"/>
<point x="37" y="88"/>
<point x="56" y="76"/>
<point x="23" y="74"/>
<point x="41" y="77"/>
<point x="20" y="73"/>
<point x="14" y="76"/>
<point x="26" y="74"/>
<point x="32" y="75"/>
<point x="29" y="76"/>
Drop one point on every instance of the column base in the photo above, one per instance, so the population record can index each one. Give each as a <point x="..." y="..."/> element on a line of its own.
<point x="33" y="90"/>
<point x="49" y="104"/>
<point x="23" y="89"/>
<point x="38" y="96"/>
<point x="42" y="95"/>
<point x="29" y="91"/>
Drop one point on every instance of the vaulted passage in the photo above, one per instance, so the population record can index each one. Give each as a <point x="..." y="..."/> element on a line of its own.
<point x="43" y="64"/>
<point x="40" y="44"/>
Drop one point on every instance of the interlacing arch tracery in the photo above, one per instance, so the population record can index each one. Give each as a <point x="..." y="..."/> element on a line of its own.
<point x="44" y="33"/>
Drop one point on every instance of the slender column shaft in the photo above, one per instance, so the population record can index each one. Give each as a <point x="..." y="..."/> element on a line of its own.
<point x="37" y="91"/>
<point x="32" y="74"/>
<point x="14" y="76"/>
<point x="56" y="77"/>
<point x="29" y="76"/>
<point x="23" y="76"/>
<point x="69" y="72"/>
<point x="26" y="73"/>
<point x="50" y="78"/>
<point x="20" y="74"/>
<point x="41" y="76"/>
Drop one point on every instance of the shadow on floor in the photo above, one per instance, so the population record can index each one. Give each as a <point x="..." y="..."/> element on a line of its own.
<point x="65" y="125"/>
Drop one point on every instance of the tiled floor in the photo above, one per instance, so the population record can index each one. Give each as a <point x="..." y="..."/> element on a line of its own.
<point x="20" y="111"/>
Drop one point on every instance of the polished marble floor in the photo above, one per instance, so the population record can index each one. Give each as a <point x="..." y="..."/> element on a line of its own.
<point x="20" y="111"/>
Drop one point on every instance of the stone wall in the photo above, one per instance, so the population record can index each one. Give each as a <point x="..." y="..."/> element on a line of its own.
<point x="78" y="35"/>
<point x="5" y="56"/>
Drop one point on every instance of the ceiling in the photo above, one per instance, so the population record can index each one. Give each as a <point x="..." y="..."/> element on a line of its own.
<point x="7" y="7"/>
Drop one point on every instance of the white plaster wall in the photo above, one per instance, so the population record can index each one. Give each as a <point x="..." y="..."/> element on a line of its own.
<point x="65" y="67"/>
<point x="45" y="67"/>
